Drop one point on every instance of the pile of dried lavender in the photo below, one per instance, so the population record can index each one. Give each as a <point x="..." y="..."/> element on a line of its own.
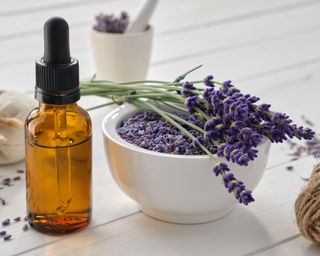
<point x="150" y="131"/>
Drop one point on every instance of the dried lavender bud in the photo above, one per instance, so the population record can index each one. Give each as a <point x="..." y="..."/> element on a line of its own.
<point x="3" y="233"/>
<point x="20" y="171"/>
<point x="6" y="222"/>
<point x="17" y="178"/>
<point x="16" y="219"/>
<point x="178" y="79"/>
<point x="191" y="103"/>
<point x="7" y="238"/>
<point x="188" y="88"/>
<point x="208" y="81"/>
<point x="289" y="168"/>
<point x="307" y="121"/>
<point x="304" y="178"/>
<point x="25" y="227"/>
<point x="6" y="181"/>
<point x="2" y="201"/>
<point x="25" y="218"/>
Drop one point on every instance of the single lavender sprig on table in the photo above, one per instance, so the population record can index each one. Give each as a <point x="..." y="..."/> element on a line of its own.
<point x="222" y="121"/>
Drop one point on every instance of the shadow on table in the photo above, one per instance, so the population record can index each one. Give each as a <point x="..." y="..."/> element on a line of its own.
<point x="238" y="233"/>
<point x="312" y="250"/>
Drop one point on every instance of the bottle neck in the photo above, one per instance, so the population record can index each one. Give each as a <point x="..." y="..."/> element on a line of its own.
<point x="54" y="98"/>
<point x="45" y="106"/>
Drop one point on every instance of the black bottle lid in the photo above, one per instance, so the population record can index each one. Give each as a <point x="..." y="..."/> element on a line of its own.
<point x="57" y="74"/>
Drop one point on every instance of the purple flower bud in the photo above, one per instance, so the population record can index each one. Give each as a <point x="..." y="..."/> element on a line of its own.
<point x="220" y="168"/>
<point x="199" y="140"/>
<point x="246" y="197"/>
<point x="191" y="103"/>
<point x="208" y="81"/>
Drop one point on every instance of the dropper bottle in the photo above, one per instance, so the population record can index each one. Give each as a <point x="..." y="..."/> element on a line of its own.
<point x="58" y="141"/>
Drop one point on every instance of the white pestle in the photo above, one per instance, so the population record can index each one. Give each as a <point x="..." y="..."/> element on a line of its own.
<point x="141" y="19"/>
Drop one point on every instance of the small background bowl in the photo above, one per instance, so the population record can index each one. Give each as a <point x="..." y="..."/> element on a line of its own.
<point x="122" y="57"/>
<point x="173" y="188"/>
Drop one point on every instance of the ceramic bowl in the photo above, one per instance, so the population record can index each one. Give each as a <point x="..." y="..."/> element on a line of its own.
<point x="173" y="188"/>
<point x="122" y="57"/>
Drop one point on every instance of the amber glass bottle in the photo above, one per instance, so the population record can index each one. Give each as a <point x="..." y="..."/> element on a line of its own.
<point x="58" y="141"/>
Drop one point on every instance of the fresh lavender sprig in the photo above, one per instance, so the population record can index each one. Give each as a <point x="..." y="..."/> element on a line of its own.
<point x="223" y="121"/>
<point x="111" y="24"/>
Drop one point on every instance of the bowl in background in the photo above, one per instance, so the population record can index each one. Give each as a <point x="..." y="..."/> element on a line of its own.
<point x="122" y="57"/>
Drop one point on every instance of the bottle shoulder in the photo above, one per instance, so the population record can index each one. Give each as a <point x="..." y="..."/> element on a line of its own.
<point x="55" y="125"/>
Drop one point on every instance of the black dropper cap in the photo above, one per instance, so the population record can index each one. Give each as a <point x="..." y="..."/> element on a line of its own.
<point x="57" y="74"/>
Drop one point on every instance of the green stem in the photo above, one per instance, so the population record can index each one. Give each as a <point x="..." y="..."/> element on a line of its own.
<point x="188" y="72"/>
<point x="181" y="120"/>
<point x="100" y="106"/>
<point x="174" y="106"/>
<point x="152" y="89"/>
<point x="204" y="115"/>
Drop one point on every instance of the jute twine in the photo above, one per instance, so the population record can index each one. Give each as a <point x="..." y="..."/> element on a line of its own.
<point x="307" y="208"/>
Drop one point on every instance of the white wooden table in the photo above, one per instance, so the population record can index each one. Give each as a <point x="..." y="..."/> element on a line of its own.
<point x="269" y="48"/>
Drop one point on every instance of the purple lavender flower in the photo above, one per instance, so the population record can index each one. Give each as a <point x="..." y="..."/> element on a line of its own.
<point x="243" y="195"/>
<point x="191" y="103"/>
<point x="187" y="91"/>
<point x="220" y="168"/>
<point x="250" y="137"/>
<point x="178" y="79"/>
<point x="198" y="141"/>
<point x="233" y="185"/>
<point x="303" y="133"/>
<point x="246" y="197"/>
<point x="207" y="94"/>
<point x="124" y="15"/>
<point x="208" y="81"/>
<point x="214" y="123"/>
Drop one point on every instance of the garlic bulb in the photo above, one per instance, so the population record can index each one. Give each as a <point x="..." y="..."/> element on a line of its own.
<point x="14" y="108"/>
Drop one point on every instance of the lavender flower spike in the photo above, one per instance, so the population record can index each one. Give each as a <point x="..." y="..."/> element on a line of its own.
<point x="208" y="81"/>
<point x="232" y="184"/>
<point x="187" y="91"/>
<point x="243" y="195"/>
<point x="220" y="168"/>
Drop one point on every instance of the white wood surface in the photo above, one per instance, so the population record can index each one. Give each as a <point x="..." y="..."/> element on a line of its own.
<point x="270" y="48"/>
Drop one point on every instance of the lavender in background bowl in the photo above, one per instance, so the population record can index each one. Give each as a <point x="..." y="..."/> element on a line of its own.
<point x="109" y="23"/>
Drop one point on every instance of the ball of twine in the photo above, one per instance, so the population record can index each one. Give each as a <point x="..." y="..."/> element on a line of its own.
<point x="307" y="208"/>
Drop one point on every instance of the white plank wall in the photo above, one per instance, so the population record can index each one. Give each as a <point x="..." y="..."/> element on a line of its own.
<point x="269" y="48"/>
